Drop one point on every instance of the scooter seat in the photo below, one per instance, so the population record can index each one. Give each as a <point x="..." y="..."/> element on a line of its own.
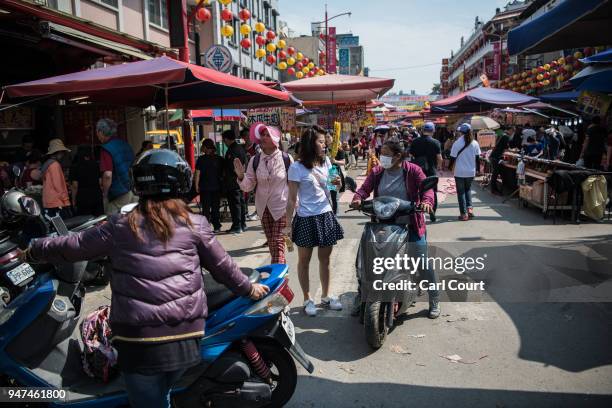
<point x="217" y="294"/>
<point x="74" y="222"/>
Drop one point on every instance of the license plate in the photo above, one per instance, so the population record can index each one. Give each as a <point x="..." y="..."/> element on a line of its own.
<point x="20" y="274"/>
<point x="288" y="327"/>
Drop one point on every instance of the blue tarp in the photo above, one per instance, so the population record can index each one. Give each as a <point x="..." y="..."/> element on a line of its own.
<point x="560" y="96"/>
<point x="604" y="57"/>
<point x="594" y="78"/>
<point x="571" y="24"/>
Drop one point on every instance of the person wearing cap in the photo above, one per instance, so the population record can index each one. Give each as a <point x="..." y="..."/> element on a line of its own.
<point x="463" y="156"/>
<point x="208" y="179"/>
<point x="56" y="200"/>
<point x="116" y="158"/>
<point x="235" y="197"/>
<point x="427" y="154"/>
<point x="267" y="171"/>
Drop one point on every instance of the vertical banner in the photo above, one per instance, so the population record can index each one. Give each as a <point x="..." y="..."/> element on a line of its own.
<point x="331" y="50"/>
<point x="496" y="65"/>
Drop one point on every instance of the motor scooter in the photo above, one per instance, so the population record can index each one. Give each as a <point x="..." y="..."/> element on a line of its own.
<point x="248" y="351"/>
<point x="385" y="237"/>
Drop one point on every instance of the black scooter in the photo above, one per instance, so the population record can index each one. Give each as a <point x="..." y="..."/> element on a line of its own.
<point x="385" y="236"/>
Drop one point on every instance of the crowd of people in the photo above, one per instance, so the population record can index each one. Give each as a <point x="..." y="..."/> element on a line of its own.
<point x="294" y="200"/>
<point x="93" y="180"/>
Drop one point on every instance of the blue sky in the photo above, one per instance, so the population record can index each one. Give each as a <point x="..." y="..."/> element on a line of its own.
<point x="397" y="34"/>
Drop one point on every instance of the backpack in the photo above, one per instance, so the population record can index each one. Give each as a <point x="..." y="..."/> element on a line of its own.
<point x="99" y="357"/>
<point x="286" y="160"/>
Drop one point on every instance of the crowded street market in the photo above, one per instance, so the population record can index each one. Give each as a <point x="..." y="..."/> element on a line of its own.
<point x="169" y="168"/>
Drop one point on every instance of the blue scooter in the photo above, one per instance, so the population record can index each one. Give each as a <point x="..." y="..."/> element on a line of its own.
<point x="248" y="349"/>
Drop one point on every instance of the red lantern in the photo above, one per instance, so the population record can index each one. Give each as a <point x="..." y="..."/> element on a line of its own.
<point x="271" y="59"/>
<point x="290" y="50"/>
<point x="270" y="35"/>
<point x="291" y="71"/>
<point x="311" y="73"/>
<point x="577" y="65"/>
<point x="299" y="66"/>
<point x="305" y="61"/>
<point x="244" y="14"/>
<point x="260" y="40"/>
<point x="282" y="55"/>
<point x="569" y="59"/>
<point x="554" y="64"/>
<point x="203" y="14"/>
<point x="546" y="75"/>
<point x="588" y="51"/>
<point x="227" y="15"/>
<point x="245" y="43"/>
<point x="541" y="69"/>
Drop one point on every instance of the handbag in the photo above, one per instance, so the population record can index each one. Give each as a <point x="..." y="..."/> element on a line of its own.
<point x="451" y="165"/>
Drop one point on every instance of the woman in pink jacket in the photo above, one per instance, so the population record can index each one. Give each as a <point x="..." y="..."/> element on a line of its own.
<point x="267" y="171"/>
<point x="401" y="179"/>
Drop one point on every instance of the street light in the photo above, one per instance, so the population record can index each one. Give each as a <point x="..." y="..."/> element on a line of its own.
<point x="326" y="21"/>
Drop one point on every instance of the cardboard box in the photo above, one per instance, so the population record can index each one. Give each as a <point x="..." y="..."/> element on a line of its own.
<point x="526" y="192"/>
<point x="538" y="191"/>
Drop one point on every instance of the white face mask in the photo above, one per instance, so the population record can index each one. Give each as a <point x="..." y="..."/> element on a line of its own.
<point x="386" y="162"/>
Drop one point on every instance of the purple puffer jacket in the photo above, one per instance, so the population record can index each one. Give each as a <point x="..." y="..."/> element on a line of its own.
<point x="414" y="176"/>
<point x="157" y="290"/>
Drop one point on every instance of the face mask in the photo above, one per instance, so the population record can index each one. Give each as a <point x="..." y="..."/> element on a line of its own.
<point x="386" y="162"/>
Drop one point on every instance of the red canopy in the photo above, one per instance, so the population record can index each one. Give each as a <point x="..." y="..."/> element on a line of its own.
<point x="143" y="83"/>
<point x="330" y="89"/>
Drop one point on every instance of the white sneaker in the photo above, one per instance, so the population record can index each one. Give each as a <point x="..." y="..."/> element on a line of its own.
<point x="309" y="308"/>
<point x="332" y="303"/>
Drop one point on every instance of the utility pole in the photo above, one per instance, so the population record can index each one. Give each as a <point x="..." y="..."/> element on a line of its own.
<point x="184" y="57"/>
<point x="326" y="42"/>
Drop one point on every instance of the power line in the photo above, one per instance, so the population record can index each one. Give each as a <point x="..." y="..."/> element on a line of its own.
<point x="404" y="68"/>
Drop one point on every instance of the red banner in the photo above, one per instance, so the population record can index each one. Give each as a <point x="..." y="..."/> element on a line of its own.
<point x="331" y="50"/>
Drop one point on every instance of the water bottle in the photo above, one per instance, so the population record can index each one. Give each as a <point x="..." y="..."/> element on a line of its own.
<point x="333" y="173"/>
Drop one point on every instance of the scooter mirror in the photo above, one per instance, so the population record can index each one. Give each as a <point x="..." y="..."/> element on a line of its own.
<point x="350" y="183"/>
<point x="429" y="183"/>
<point x="16" y="171"/>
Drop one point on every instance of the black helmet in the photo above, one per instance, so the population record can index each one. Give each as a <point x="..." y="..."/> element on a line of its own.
<point x="160" y="172"/>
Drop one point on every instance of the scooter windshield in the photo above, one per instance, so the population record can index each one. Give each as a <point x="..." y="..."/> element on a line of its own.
<point x="386" y="207"/>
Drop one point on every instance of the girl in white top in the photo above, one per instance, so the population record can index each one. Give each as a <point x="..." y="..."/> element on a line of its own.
<point x="464" y="153"/>
<point x="315" y="225"/>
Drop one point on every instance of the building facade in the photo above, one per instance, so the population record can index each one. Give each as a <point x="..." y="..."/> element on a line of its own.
<point x="482" y="57"/>
<point x="244" y="62"/>
<point x="350" y="55"/>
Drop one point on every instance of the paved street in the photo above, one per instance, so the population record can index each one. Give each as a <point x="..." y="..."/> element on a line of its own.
<point x="513" y="354"/>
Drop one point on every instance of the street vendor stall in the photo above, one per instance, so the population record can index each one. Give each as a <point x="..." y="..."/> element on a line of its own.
<point x="549" y="184"/>
<point x="162" y="82"/>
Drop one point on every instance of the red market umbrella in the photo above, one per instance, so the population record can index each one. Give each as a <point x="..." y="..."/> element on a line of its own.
<point x="155" y="82"/>
<point x="332" y="89"/>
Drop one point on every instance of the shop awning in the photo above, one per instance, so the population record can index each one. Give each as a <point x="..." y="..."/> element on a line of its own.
<point x="219" y="115"/>
<point x="570" y="24"/>
<point x="332" y="89"/>
<point x="593" y="78"/>
<point x="567" y="96"/>
<point x="479" y="100"/>
<point x="94" y="43"/>
<point x="145" y="83"/>
<point x="604" y="57"/>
